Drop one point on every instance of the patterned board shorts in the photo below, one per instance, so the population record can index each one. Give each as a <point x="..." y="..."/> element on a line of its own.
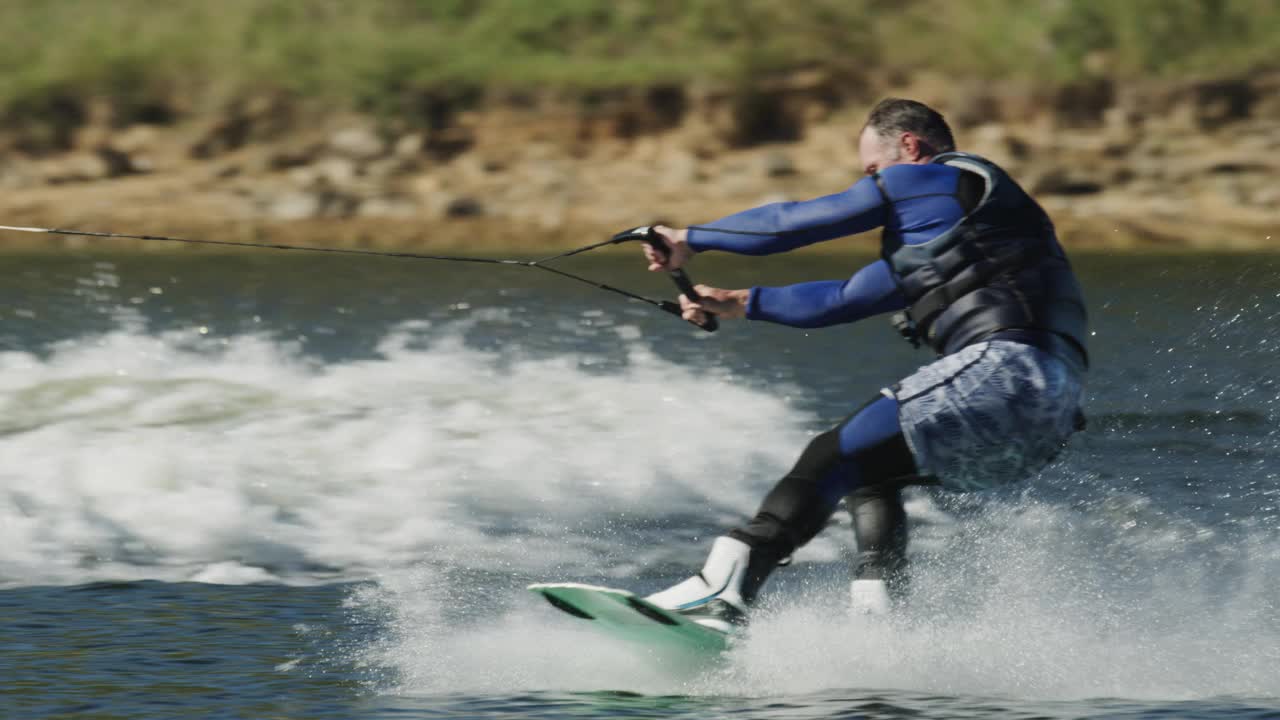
<point x="992" y="413"/>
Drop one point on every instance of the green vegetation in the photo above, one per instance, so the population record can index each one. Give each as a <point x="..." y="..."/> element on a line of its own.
<point x="147" y="58"/>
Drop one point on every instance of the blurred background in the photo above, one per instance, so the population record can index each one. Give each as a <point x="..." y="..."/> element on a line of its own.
<point x="513" y="123"/>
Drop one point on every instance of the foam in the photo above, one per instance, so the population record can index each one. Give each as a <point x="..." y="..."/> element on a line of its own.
<point x="1021" y="602"/>
<point x="182" y="456"/>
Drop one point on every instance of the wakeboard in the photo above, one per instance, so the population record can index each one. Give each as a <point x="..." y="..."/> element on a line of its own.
<point x="624" y="614"/>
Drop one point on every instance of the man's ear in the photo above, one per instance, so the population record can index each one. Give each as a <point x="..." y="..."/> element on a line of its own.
<point x="910" y="146"/>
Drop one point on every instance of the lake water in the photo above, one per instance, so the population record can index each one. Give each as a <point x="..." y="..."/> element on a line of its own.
<point x="271" y="485"/>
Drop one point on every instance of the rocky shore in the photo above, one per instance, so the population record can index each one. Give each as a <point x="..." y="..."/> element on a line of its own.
<point x="1191" y="164"/>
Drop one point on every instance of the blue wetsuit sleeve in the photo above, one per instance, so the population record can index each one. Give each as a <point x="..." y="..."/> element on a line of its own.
<point x="871" y="291"/>
<point x="785" y="226"/>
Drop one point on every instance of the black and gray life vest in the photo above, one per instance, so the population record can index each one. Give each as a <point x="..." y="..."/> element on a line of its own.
<point x="999" y="268"/>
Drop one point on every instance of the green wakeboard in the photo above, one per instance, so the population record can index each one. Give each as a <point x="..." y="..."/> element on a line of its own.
<point x="626" y="615"/>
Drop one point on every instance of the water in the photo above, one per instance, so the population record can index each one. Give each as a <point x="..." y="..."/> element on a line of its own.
<point x="304" y="487"/>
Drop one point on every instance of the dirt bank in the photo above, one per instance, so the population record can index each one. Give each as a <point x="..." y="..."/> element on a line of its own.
<point x="1186" y="164"/>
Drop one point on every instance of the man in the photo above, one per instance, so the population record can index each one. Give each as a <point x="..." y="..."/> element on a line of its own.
<point x="974" y="264"/>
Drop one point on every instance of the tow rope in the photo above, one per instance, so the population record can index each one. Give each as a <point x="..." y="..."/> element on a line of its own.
<point x="643" y="233"/>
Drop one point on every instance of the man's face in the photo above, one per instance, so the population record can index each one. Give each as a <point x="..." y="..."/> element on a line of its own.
<point x="876" y="152"/>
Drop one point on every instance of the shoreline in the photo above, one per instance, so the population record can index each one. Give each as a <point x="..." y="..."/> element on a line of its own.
<point x="36" y="244"/>
<point x="1143" y="168"/>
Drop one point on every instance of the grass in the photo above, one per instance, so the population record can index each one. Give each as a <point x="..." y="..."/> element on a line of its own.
<point x="143" y="56"/>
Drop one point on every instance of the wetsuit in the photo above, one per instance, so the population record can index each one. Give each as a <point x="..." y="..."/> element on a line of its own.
<point x="1001" y="371"/>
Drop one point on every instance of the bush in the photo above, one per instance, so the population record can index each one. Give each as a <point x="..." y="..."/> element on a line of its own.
<point x="383" y="55"/>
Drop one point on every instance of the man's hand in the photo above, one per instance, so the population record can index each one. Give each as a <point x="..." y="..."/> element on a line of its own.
<point x="728" y="304"/>
<point x="678" y="250"/>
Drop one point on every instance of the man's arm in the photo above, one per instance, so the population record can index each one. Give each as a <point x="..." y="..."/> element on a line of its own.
<point x="785" y="226"/>
<point x="871" y="291"/>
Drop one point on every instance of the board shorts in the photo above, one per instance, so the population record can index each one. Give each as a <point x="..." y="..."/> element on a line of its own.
<point x="993" y="413"/>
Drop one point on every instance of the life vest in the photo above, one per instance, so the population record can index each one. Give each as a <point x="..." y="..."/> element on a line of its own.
<point x="999" y="268"/>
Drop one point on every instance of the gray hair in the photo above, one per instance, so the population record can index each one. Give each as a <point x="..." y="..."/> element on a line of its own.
<point x="893" y="116"/>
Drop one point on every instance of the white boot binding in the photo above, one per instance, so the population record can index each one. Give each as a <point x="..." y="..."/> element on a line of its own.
<point x="869" y="597"/>
<point x="714" y="597"/>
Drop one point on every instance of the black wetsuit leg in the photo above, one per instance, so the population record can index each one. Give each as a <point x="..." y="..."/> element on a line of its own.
<point x="880" y="527"/>
<point x="799" y="506"/>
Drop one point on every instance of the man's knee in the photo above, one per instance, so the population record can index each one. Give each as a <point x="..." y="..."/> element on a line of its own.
<point x="887" y="462"/>
<point x="798" y="507"/>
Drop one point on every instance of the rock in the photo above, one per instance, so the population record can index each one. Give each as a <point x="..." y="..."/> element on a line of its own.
<point x="1230" y="189"/>
<point x="100" y="164"/>
<point x="772" y="198"/>
<point x="971" y="105"/>
<point x="308" y="204"/>
<point x="338" y="204"/>
<point x="1064" y="181"/>
<point x="446" y="143"/>
<point x="15" y="174"/>
<point x="736" y="179"/>
<point x="409" y="147"/>
<point x="93" y="135"/>
<point x="339" y="172"/>
<point x="553" y="211"/>
<point x="303" y="176"/>
<point x="357" y="143"/>
<point x="428" y="186"/>
<point x="388" y="167"/>
<point x="387" y="207"/>
<point x="1120" y="174"/>
<point x="1220" y="102"/>
<point x="440" y="203"/>
<point x="117" y="163"/>
<point x="1120" y="126"/>
<point x="678" y="169"/>
<point x="259" y="118"/>
<point x="295" y="206"/>
<point x="292" y="157"/>
<point x="142" y="164"/>
<point x="1265" y="197"/>
<point x="134" y="139"/>
<point x="223" y="136"/>
<point x="1081" y="104"/>
<point x="546" y="175"/>
<point x="463" y="207"/>
<point x="994" y="141"/>
<point x="778" y="164"/>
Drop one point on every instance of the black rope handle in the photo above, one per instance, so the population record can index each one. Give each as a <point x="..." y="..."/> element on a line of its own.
<point x="646" y="234"/>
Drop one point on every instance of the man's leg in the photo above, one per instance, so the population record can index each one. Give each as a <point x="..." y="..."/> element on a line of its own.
<point x="880" y="528"/>
<point x="875" y="505"/>
<point x="865" y="450"/>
